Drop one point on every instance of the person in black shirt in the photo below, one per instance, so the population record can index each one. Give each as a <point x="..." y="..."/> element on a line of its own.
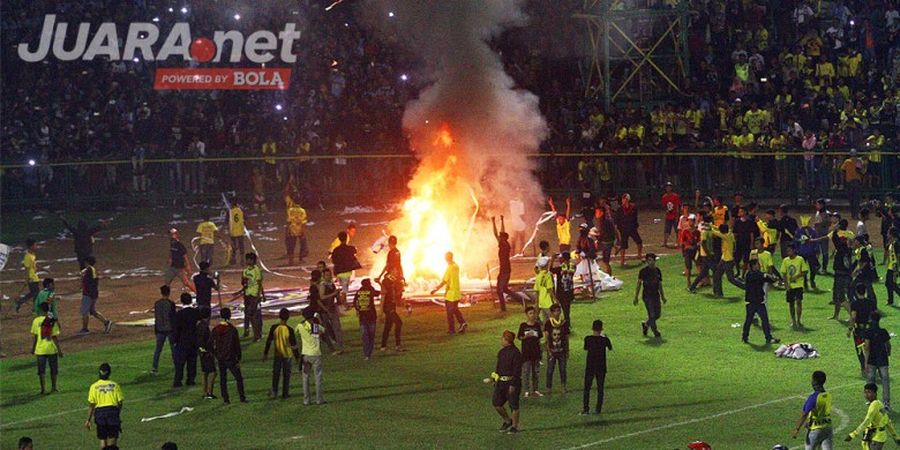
<point x="877" y="347"/>
<point x="565" y="287"/>
<point x="179" y="263"/>
<point x="185" y="336"/>
<point x="84" y="240"/>
<point x="787" y="225"/>
<point x="163" y="324"/>
<point x="861" y="309"/>
<point x="864" y="271"/>
<point x="205" y="282"/>
<point x="596" y="346"/>
<point x="503" y="253"/>
<point x="557" y="331"/>
<point x="392" y="288"/>
<point x="508" y="383"/>
<point x="626" y="219"/>
<point x="530" y="333"/>
<point x="207" y="360"/>
<point x="395" y="264"/>
<point x="755" y="296"/>
<point x="364" y="304"/>
<point x="650" y="279"/>
<point x="745" y="231"/>
<point x="842" y="265"/>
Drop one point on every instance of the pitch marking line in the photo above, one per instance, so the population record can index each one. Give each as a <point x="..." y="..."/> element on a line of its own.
<point x="698" y="419"/>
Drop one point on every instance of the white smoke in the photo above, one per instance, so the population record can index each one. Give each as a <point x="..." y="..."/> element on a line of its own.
<point x="493" y="124"/>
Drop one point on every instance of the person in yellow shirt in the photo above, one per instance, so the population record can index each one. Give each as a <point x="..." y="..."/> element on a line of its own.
<point x="726" y="263"/>
<point x="295" y="230"/>
<point x="452" y="295"/>
<point x="105" y="398"/>
<point x="45" y="345"/>
<point x="351" y="231"/>
<point x="29" y="262"/>
<point x="794" y="270"/>
<point x="874" y="144"/>
<point x="236" y="231"/>
<point x="877" y="424"/>
<point x="207" y="231"/>
<point x="563" y="225"/>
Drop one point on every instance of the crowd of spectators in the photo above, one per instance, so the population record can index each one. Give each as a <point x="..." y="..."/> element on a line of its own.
<point x="802" y="77"/>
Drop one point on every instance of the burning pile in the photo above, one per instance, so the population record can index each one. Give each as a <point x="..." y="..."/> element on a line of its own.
<point x="472" y="130"/>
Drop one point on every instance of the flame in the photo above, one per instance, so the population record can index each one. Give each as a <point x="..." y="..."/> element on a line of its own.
<point x="439" y="214"/>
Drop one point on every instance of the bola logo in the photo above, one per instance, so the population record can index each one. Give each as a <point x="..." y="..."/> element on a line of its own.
<point x="141" y="37"/>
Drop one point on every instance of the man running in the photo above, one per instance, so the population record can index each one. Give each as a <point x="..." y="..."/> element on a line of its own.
<point x="816" y="416"/>
<point x="452" y="296"/>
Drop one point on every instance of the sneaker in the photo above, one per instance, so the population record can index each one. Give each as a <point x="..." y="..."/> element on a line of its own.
<point x="537" y="394"/>
<point x="644" y="328"/>
<point x="773" y="340"/>
<point x="399" y="349"/>
<point x="584" y="413"/>
<point x="512" y="430"/>
<point x="383" y="349"/>
<point x="527" y="394"/>
<point x="366" y="358"/>
<point x="107" y="326"/>
<point x="505" y="426"/>
<point x="84" y="331"/>
<point x="657" y="335"/>
<point x="462" y="328"/>
<point x="209" y="397"/>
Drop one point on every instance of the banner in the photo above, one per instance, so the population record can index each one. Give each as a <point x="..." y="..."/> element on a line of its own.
<point x="4" y="255"/>
<point x="226" y="79"/>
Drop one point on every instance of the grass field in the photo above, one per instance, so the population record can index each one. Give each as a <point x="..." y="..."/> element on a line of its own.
<point x="699" y="382"/>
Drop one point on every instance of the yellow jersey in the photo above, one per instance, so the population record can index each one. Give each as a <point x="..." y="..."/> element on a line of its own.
<point x="45" y="344"/>
<point x="236" y="222"/>
<point x="296" y="219"/>
<point x="451" y="278"/>
<point x="207" y="232"/>
<point x="564" y="232"/>
<point x="727" y="244"/>
<point x="793" y="269"/>
<point x="878" y="421"/>
<point x="105" y="393"/>
<point x="29" y="262"/>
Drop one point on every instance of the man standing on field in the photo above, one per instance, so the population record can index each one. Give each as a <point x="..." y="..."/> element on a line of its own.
<point x="452" y="296"/>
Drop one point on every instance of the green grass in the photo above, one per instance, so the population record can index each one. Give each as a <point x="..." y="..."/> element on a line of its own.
<point x="691" y="383"/>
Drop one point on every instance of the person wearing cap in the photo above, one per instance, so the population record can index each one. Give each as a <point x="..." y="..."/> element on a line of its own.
<point x="45" y="345"/>
<point x="452" y="296"/>
<point x="563" y="226"/>
<point x="794" y="269"/>
<point x="507" y="382"/>
<point x="179" y="263"/>
<point x="626" y="219"/>
<point x="671" y="202"/>
<point x="105" y="400"/>
<point x="650" y="279"/>
<point x="207" y="230"/>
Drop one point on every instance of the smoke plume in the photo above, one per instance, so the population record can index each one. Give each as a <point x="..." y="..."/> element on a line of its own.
<point x="470" y="127"/>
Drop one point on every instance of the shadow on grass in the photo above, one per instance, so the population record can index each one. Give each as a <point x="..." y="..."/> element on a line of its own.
<point x="764" y="347"/>
<point x="654" y="341"/>
<point x="19" y="400"/>
<point x="593" y="421"/>
<point x="20" y="365"/>
<point x="631" y="385"/>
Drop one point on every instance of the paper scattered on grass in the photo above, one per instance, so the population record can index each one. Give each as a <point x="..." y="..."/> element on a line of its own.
<point x="183" y="410"/>
<point x="736" y="325"/>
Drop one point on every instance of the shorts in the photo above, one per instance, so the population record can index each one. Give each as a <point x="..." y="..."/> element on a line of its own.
<point x="606" y="251"/>
<point x="42" y="361"/>
<point x="88" y="305"/>
<point x="207" y="362"/>
<point x="794" y="294"/>
<point x="502" y="396"/>
<point x="840" y="289"/>
<point x="633" y="234"/>
<point x="816" y="438"/>
<point x="670" y="225"/>
<point x="689" y="255"/>
<point x="741" y="254"/>
<point x="172" y="273"/>
<point x="109" y="425"/>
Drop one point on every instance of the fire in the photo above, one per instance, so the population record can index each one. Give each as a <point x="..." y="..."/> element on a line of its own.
<point x="439" y="215"/>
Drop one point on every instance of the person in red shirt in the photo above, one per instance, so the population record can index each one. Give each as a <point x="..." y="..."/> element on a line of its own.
<point x="671" y="202"/>
<point x="688" y="238"/>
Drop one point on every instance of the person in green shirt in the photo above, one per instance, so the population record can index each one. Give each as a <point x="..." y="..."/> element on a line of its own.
<point x="47" y="295"/>
<point x="452" y="295"/>
<point x="45" y="345"/>
<point x="543" y="284"/>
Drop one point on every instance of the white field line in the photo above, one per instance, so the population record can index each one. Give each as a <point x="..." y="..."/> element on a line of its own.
<point x="698" y="419"/>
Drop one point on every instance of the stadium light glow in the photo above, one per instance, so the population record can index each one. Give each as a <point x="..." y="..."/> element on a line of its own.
<point x="391" y="14"/>
<point x="156" y="19"/>
<point x="171" y="10"/>
<point x="136" y="59"/>
<point x="279" y="107"/>
<point x="404" y="77"/>
<point x="184" y="10"/>
<point x="31" y="162"/>
<point x="237" y="17"/>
